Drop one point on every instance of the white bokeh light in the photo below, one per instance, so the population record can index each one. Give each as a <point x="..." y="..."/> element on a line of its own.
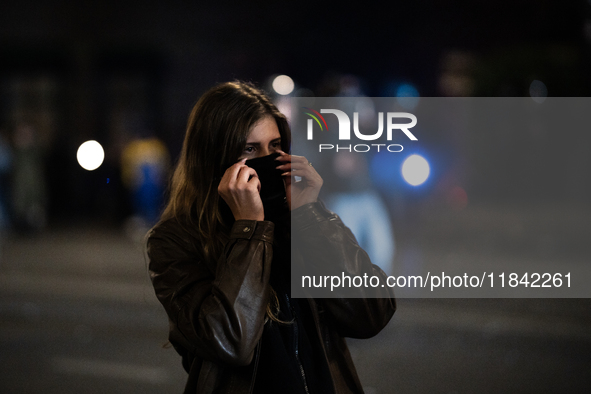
<point x="90" y="155"/>
<point x="415" y="170"/>
<point x="538" y="91"/>
<point x="283" y="85"/>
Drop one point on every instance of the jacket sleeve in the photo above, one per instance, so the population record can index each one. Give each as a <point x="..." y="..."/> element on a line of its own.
<point x="216" y="309"/>
<point x="328" y="247"/>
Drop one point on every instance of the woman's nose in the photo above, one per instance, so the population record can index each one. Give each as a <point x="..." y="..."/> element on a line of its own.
<point x="264" y="152"/>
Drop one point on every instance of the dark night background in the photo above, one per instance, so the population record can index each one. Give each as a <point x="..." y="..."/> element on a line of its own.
<point x="77" y="311"/>
<point x="144" y="64"/>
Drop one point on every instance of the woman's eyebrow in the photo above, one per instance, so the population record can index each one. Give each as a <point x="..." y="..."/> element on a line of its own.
<point x="258" y="143"/>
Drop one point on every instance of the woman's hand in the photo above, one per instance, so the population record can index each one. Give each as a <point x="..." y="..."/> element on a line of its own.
<point x="305" y="191"/>
<point x="240" y="187"/>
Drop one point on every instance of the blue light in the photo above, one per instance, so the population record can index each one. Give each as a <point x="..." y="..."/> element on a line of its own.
<point x="407" y="90"/>
<point x="382" y="170"/>
<point x="408" y="96"/>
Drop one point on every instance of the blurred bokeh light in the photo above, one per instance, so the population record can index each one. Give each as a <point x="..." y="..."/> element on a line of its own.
<point x="408" y="96"/>
<point x="415" y="170"/>
<point x="538" y="91"/>
<point x="283" y="85"/>
<point x="90" y="155"/>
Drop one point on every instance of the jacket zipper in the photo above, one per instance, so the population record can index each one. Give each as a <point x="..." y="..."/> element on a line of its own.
<point x="296" y="337"/>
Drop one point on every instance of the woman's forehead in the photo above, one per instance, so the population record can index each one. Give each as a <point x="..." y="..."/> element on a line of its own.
<point x="264" y="130"/>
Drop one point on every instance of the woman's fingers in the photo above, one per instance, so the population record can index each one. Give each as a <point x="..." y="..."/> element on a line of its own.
<point x="301" y="192"/>
<point x="240" y="173"/>
<point x="240" y="187"/>
<point x="299" y="159"/>
<point x="299" y="169"/>
<point x="248" y="176"/>
<point x="282" y="154"/>
<point x="294" y="165"/>
<point x="286" y="168"/>
<point x="245" y="174"/>
<point x="231" y="174"/>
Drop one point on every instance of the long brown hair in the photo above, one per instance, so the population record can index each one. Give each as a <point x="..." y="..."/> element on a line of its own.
<point x="216" y="135"/>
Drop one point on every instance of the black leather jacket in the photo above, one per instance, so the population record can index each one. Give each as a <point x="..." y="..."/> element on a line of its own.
<point x="216" y="309"/>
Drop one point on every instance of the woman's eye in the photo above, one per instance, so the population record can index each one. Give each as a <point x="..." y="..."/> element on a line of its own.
<point x="249" y="149"/>
<point x="276" y="144"/>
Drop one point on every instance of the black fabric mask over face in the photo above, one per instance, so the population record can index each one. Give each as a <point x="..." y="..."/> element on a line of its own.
<point x="272" y="188"/>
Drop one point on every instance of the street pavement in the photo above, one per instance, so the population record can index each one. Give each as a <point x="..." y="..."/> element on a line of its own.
<point x="78" y="315"/>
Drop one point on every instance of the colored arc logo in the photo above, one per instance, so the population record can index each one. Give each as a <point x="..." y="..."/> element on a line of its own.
<point x="316" y="119"/>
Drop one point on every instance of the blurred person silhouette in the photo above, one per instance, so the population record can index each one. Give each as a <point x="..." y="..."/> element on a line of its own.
<point x="29" y="194"/>
<point x="357" y="202"/>
<point x="145" y="165"/>
<point x="220" y="258"/>
<point x="5" y="168"/>
<point x="350" y="192"/>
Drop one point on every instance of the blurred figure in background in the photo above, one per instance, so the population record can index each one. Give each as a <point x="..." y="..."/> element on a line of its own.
<point x="352" y="195"/>
<point x="145" y="163"/>
<point x="29" y="194"/>
<point x="5" y="166"/>
<point x="359" y="205"/>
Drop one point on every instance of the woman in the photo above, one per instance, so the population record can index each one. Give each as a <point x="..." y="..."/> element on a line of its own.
<point x="220" y="258"/>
